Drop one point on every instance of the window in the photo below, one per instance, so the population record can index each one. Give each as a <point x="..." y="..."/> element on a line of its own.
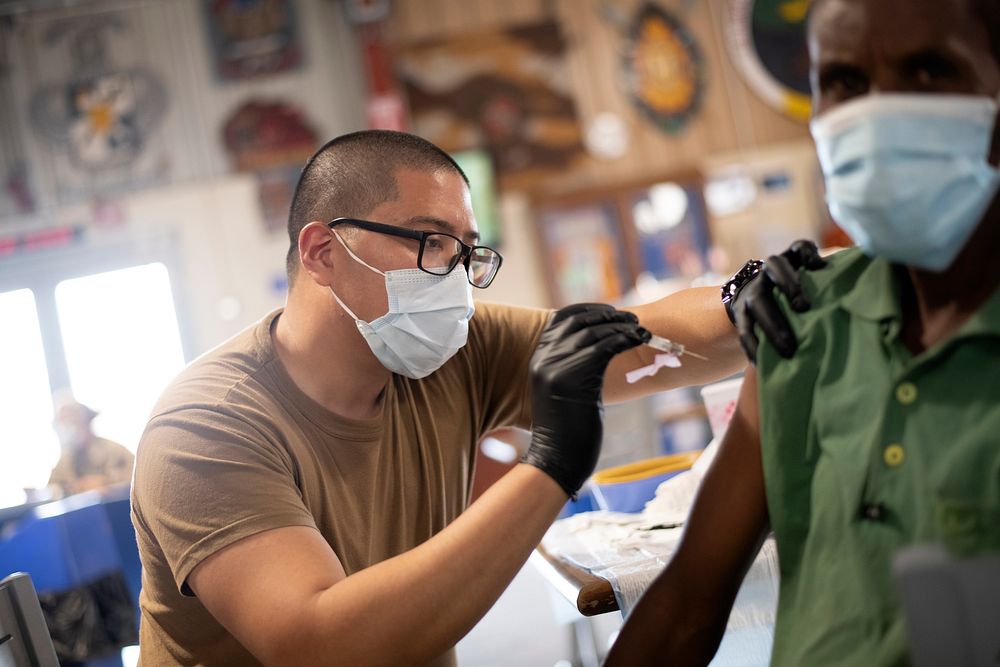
<point x="28" y="446"/>
<point x="119" y="331"/>
<point x="112" y="337"/>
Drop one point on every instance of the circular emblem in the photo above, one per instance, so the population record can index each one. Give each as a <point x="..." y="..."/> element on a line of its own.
<point x="767" y="42"/>
<point x="663" y="68"/>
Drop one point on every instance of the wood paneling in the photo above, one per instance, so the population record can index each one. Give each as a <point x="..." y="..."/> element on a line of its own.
<point x="731" y="117"/>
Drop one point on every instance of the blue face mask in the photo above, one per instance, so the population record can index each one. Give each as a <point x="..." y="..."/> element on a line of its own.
<point x="907" y="175"/>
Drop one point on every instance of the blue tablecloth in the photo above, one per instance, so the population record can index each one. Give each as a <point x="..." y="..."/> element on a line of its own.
<point x="82" y="541"/>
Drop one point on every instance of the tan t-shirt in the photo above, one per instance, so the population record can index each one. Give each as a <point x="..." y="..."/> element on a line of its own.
<point x="235" y="448"/>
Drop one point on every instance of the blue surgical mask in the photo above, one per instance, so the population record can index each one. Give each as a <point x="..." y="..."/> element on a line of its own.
<point x="907" y="175"/>
<point x="427" y="322"/>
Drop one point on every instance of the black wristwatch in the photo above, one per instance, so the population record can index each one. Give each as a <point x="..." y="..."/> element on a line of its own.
<point x="733" y="286"/>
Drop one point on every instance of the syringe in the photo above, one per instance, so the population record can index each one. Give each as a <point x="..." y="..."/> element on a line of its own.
<point x="668" y="346"/>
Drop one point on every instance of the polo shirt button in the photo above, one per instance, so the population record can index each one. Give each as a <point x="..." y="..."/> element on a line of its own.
<point x="906" y="393"/>
<point x="872" y="511"/>
<point x="894" y="455"/>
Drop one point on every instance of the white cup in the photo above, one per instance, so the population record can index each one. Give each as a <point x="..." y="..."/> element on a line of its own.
<point x="720" y="403"/>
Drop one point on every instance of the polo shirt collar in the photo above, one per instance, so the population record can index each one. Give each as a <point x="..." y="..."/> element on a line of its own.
<point x="875" y="296"/>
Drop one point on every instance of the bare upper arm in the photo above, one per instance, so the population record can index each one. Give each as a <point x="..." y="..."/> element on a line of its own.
<point x="261" y="587"/>
<point x="729" y="521"/>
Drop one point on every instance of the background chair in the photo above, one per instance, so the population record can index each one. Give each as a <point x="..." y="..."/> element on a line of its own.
<point x="951" y="605"/>
<point x="24" y="638"/>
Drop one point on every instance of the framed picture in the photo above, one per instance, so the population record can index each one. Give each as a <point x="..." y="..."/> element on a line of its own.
<point x="252" y="38"/>
<point x="585" y="253"/>
<point x="97" y="103"/>
<point x="597" y="244"/>
<point x="671" y="230"/>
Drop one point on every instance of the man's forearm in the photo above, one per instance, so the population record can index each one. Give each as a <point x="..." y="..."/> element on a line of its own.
<point x="681" y="617"/>
<point x="694" y="317"/>
<point x="675" y="627"/>
<point x="413" y="607"/>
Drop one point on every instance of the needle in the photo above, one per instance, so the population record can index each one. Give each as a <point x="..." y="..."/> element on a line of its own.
<point x="670" y="347"/>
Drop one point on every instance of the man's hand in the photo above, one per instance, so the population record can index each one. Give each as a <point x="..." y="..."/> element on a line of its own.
<point x="754" y="303"/>
<point x="567" y="372"/>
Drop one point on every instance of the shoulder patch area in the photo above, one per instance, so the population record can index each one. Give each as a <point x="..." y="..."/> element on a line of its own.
<point x="837" y="278"/>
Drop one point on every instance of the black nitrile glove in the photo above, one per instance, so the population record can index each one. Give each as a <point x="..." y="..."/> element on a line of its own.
<point x="567" y="373"/>
<point x="755" y="302"/>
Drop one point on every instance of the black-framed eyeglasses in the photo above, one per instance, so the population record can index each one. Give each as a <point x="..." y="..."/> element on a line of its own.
<point x="439" y="253"/>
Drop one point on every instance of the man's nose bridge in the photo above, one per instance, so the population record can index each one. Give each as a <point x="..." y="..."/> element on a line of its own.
<point x="884" y="73"/>
<point x="886" y="65"/>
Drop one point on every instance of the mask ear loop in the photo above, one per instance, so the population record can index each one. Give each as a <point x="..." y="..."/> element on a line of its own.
<point x="356" y="258"/>
<point x="363" y="263"/>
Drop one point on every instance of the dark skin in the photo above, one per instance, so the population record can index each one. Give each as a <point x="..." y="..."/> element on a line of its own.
<point x="918" y="47"/>
<point x="857" y="47"/>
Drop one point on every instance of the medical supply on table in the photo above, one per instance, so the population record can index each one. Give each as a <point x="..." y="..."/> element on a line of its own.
<point x="627" y="488"/>
<point x="670" y="358"/>
<point x="630" y="551"/>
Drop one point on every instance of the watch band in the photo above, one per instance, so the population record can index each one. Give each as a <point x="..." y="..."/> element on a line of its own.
<point x="733" y="286"/>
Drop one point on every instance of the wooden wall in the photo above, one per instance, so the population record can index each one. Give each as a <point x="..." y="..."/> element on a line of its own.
<point x="732" y="118"/>
<point x="169" y="39"/>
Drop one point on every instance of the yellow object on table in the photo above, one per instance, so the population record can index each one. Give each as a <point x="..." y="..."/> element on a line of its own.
<point x="627" y="488"/>
<point x="647" y="468"/>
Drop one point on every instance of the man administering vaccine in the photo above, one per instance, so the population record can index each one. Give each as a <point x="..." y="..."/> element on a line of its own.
<point x="300" y="491"/>
<point x="881" y="432"/>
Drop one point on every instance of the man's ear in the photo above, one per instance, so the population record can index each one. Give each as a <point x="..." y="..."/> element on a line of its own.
<point x="314" y="252"/>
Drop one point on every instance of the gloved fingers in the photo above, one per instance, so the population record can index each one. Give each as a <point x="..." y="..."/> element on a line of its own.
<point x="580" y="372"/>
<point x="804" y="253"/>
<point x="577" y="308"/>
<point x="581" y="320"/>
<point x="612" y="346"/>
<point x="772" y="322"/>
<point x="591" y="361"/>
<point x="781" y="272"/>
<point x="592" y="335"/>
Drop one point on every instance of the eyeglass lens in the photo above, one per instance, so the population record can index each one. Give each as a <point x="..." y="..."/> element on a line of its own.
<point x="443" y="252"/>
<point x="483" y="265"/>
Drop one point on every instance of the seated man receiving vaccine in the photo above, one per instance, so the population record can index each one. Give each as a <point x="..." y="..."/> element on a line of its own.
<point x="881" y="433"/>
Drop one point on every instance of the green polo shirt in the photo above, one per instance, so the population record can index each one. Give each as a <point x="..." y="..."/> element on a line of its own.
<point x="867" y="449"/>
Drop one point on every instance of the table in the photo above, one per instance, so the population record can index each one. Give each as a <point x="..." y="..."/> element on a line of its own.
<point x="589" y="593"/>
<point x="602" y="562"/>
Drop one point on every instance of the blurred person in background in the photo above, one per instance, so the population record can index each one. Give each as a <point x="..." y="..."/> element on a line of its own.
<point x="88" y="462"/>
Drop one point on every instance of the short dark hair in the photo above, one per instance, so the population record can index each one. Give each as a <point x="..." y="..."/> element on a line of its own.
<point x="354" y="173"/>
